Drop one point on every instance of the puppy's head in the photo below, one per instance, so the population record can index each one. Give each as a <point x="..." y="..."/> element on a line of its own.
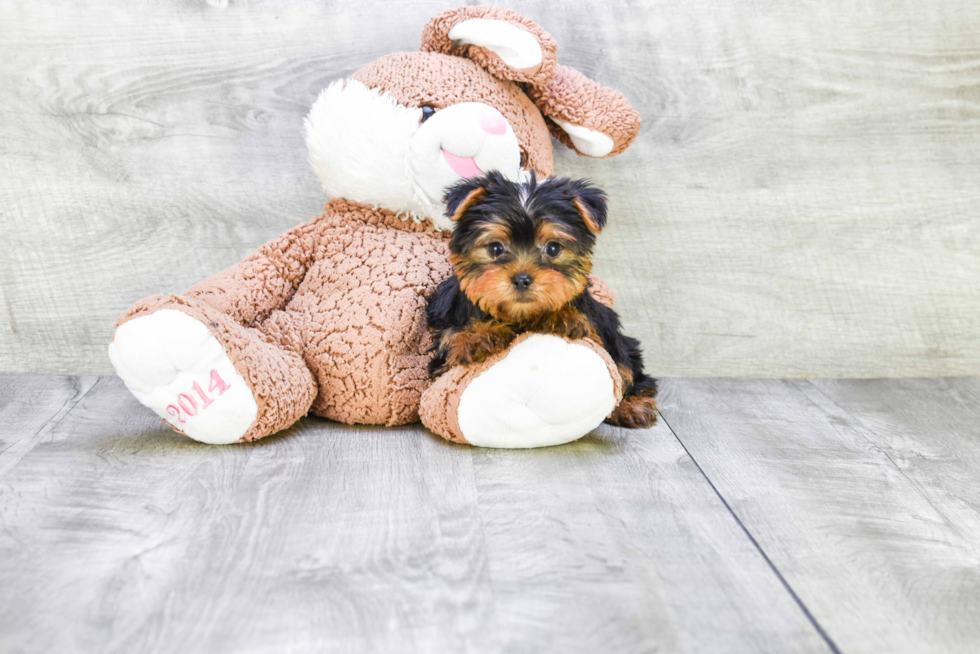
<point x="523" y="250"/>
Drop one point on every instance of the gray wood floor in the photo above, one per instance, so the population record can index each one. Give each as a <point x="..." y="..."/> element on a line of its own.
<point x="758" y="516"/>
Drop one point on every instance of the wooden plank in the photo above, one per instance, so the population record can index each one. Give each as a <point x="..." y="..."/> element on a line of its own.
<point x="116" y="534"/>
<point x="879" y="565"/>
<point x="801" y="200"/>
<point x="930" y="430"/>
<point x="30" y="406"/>
<point x="616" y="543"/>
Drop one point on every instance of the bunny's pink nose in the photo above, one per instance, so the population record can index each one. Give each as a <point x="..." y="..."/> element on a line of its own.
<point x="493" y="121"/>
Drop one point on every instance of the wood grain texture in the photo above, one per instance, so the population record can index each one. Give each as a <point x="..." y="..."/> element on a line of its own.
<point x="118" y="535"/>
<point x="930" y="430"/>
<point x="616" y="543"/>
<point x="801" y="200"/>
<point x="883" y="561"/>
<point x="30" y="407"/>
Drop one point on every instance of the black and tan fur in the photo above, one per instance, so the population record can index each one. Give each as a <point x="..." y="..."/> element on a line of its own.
<point x="521" y="254"/>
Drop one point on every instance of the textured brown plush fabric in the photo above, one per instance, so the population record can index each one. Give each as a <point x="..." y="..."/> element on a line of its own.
<point x="572" y="97"/>
<point x="429" y="78"/>
<point x="600" y="291"/>
<point x="330" y="317"/>
<point x="272" y="365"/>
<point x="435" y="38"/>
<point x="337" y="305"/>
<point x="440" y="403"/>
<point x="558" y="91"/>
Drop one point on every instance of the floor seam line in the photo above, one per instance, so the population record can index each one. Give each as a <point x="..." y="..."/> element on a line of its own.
<point x="47" y="427"/>
<point x="765" y="557"/>
<point x="898" y="468"/>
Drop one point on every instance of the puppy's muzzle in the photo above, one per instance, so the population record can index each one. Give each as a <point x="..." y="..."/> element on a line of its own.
<point x="522" y="281"/>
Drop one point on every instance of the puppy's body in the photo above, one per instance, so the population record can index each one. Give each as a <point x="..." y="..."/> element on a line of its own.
<point x="521" y="255"/>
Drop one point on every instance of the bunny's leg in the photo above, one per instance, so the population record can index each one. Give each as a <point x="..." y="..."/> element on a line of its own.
<point x="223" y="362"/>
<point x="543" y="390"/>
<point x="209" y="377"/>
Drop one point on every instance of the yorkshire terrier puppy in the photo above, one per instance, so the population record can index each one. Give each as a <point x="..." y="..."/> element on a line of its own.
<point x="521" y="253"/>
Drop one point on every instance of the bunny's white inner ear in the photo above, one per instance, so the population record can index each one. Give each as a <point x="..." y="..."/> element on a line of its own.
<point x="587" y="141"/>
<point x="517" y="48"/>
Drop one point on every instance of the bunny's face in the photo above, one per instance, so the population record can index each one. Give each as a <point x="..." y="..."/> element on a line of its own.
<point x="402" y="129"/>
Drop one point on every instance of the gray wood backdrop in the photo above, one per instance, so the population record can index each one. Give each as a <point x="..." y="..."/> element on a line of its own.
<point x="802" y="200"/>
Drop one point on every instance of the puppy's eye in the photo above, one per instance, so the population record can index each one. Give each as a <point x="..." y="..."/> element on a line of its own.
<point x="495" y="249"/>
<point x="552" y="249"/>
<point x="427" y="113"/>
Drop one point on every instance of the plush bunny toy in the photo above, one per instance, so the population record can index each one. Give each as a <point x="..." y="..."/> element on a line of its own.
<point x="330" y="317"/>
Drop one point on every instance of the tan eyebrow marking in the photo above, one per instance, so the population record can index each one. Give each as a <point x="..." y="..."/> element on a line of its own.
<point x="493" y="233"/>
<point x="550" y="232"/>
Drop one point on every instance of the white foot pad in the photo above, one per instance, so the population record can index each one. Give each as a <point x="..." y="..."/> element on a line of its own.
<point x="174" y="366"/>
<point x="546" y="391"/>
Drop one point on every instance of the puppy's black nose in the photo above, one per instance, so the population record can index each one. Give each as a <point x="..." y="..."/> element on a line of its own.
<point x="522" y="281"/>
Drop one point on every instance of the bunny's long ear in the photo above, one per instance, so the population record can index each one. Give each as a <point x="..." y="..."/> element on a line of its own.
<point x="508" y="45"/>
<point x="589" y="118"/>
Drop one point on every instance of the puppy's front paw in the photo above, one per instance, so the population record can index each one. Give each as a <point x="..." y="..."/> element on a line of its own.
<point x="635" y="412"/>
<point x="568" y="322"/>
<point x="577" y="326"/>
<point x="479" y="342"/>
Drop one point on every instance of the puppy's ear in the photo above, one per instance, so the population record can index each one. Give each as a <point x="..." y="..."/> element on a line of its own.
<point x="591" y="203"/>
<point x="463" y="195"/>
